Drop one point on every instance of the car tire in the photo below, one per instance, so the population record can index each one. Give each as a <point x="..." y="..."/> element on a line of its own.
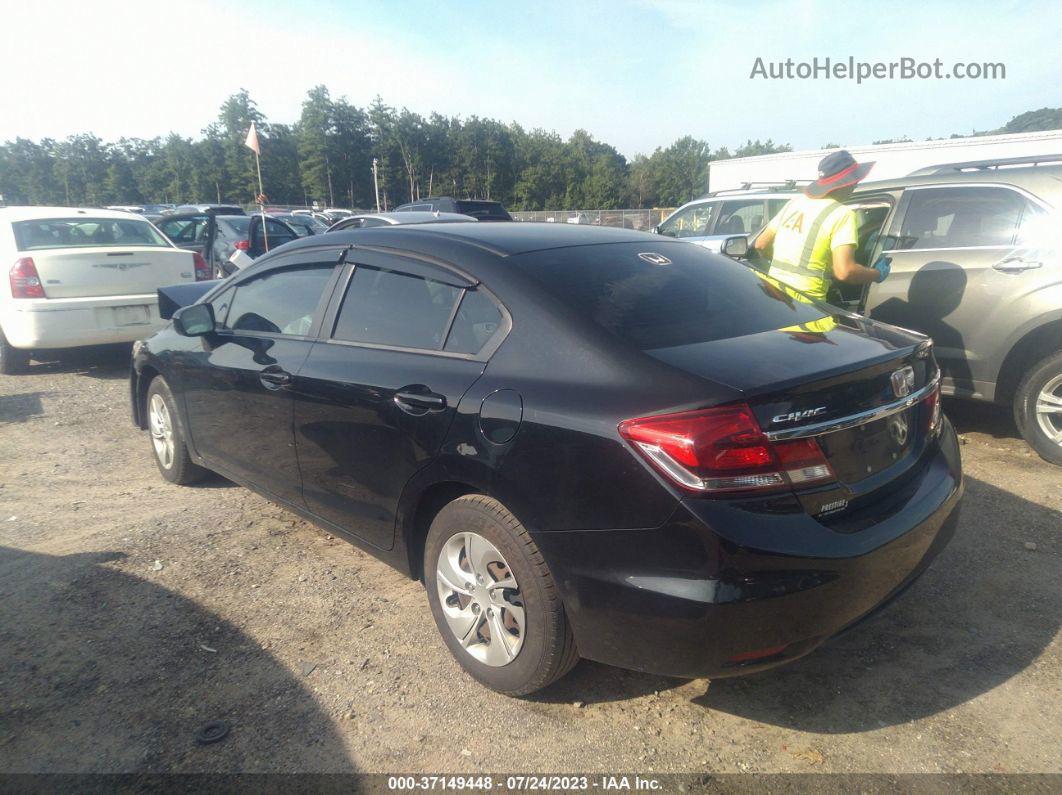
<point x="1038" y="408"/>
<point x="12" y="360"/>
<point x="167" y="440"/>
<point x="532" y="643"/>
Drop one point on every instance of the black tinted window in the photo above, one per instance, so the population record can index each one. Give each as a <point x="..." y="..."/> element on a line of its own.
<point x="280" y="302"/>
<point x="693" y="296"/>
<point x="481" y="210"/>
<point x="477" y="320"/>
<point x="394" y="308"/>
<point x="958" y="217"/>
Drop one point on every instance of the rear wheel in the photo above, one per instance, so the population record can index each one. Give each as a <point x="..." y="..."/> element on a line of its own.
<point x="167" y="441"/>
<point x="12" y="360"/>
<point x="1038" y="408"/>
<point x="493" y="598"/>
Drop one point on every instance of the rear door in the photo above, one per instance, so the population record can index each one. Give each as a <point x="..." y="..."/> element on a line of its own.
<point x="82" y="257"/>
<point x="376" y="396"/>
<point x="957" y="268"/>
<point x="276" y="233"/>
<point x="190" y="232"/>
<point x="238" y="390"/>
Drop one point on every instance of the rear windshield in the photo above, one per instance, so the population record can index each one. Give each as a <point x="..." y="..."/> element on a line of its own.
<point x="85" y="233"/>
<point x="666" y="295"/>
<point x="487" y="210"/>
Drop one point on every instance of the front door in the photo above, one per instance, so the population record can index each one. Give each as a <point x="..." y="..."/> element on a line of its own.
<point x="374" y="401"/>
<point x="238" y="392"/>
<point x="955" y="260"/>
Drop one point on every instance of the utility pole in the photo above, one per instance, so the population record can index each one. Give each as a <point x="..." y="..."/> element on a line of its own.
<point x="376" y="184"/>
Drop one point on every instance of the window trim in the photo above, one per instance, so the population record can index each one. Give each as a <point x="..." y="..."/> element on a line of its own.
<point x="904" y="206"/>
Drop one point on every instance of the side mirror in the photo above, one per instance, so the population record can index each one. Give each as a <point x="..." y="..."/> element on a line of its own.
<point x="194" y="321"/>
<point x="736" y="247"/>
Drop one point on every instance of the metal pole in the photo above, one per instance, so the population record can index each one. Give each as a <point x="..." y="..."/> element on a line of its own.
<point x="376" y="184"/>
<point x="261" y="204"/>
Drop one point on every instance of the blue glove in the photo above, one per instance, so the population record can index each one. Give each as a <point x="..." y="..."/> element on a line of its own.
<point x="883" y="265"/>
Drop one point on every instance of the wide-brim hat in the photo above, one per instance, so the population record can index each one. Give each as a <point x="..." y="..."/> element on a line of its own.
<point x="837" y="170"/>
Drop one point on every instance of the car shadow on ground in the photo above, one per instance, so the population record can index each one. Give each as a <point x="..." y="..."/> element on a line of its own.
<point x="107" y="362"/>
<point x="104" y="671"/>
<point x="983" y="613"/>
<point x="21" y="407"/>
<point x="970" y="416"/>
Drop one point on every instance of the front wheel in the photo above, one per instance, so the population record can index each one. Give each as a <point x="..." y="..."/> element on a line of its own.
<point x="493" y="598"/>
<point x="167" y="441"/>
<point x="1038" y="408"/>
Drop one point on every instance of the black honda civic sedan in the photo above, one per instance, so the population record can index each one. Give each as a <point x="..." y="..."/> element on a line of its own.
<point x="586" y="442"/>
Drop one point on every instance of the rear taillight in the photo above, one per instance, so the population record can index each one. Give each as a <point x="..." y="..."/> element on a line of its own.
<point x="243" y="245"/>
<point x="25" y="281"/>
<point x="723" y="449"/>
<point x="931" y="410"/>
<point x="202" y="270"/>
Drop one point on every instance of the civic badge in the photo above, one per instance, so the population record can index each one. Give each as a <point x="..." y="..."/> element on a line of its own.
<point x="655" y="259"/>
<point x="903" y="381"/>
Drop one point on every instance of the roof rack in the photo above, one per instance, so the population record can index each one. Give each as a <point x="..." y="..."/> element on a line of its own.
<point x="988" y="165"/>
<point x="789" y="184"/>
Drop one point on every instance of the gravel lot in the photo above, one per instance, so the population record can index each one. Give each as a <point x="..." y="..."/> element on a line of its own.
<point x="132" y="612"/>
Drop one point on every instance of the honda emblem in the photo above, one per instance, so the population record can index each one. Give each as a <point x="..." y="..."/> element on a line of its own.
<point x="903" y="381"/>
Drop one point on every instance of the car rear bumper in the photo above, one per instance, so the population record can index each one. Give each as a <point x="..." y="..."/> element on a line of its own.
<point x="721" y="591"/>
<point x="72" y="322"/>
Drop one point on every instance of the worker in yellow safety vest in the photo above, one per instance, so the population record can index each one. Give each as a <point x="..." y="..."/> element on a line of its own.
<point x="814" y="236"/>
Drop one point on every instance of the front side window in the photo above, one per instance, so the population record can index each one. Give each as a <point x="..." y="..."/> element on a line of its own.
<point x="961" y="217"/>
<point x="278" y="302"/>
<point x="691" y="222"/>
<point x="86" y="233"/>
<point x="389" y="307"/>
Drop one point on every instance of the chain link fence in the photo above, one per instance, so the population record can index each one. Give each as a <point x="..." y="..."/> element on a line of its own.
<point x="642" y="220"/>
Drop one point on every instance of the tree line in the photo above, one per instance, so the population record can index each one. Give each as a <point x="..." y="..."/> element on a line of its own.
<point x="327" y="154"/>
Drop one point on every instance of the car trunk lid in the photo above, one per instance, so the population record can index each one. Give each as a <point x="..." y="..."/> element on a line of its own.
<point x="91" y="272"/>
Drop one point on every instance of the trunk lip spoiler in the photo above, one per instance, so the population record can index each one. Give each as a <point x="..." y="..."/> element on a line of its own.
<point x="854" y="420"/>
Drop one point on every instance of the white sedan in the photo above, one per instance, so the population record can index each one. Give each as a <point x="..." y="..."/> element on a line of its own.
<point x="82" y="277"/>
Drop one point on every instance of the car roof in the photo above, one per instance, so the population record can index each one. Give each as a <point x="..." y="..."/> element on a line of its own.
<point x="502" y="239"/>
<point x="414" y="216"/>
<point x="1041" y="180"/>
<point x="44" y="213"/>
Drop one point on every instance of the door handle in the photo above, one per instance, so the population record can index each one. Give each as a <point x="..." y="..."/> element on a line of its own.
<point x="274" y="378"/>
<point x="1016" y="265"/>
<point x="417" y="402"/>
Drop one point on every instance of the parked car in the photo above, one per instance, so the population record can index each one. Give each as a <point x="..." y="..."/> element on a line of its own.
<point x="479" y="209"/>
<point x="82" y="277"/>
<point x="304" y="225"/>
<point x="586" y="441"/>
<point x="711" y="219"/>
<point x="367" y="220"/>
<point x="976" y="265"/>
<point x="216" y="209"/>
<point x="217" y="237"/>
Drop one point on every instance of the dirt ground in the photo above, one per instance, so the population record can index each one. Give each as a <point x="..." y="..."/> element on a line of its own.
<point x="133" y="612"/>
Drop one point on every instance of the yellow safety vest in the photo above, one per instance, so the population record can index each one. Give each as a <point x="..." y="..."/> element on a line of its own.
<point x="806" y="231"/>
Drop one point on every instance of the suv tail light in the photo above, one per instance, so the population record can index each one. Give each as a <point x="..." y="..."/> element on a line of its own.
<point x="243" y="245"/>
<point x="25" y="281"/>
<point x="202" y="270"/>
<point x="723" y="449"/>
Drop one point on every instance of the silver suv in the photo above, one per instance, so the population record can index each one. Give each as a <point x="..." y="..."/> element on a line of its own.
<point x="976" y="265"/>
<point x="712" y="219"/>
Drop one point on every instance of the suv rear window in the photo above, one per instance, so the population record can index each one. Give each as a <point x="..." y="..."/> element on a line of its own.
<point x="483" y="210"/>
<point x="694" y="296"/>
<point x="84" y="232"/>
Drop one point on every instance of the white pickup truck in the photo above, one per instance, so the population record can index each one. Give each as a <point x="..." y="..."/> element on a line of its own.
<point x="82" y="277"/>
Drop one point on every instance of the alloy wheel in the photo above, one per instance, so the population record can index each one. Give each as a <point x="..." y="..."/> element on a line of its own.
<point x="480" y="599"/>
<point x="161" y="431"/>
<point x="1049" y="409"/>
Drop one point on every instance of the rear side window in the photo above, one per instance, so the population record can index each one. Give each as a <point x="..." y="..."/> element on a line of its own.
<point x="278" y="302"/>
<point x="960" y="217"/>
<point x="389" y="307"/>
<point x="484" y="211"/>
<point x="85" y="233"/>
<point x="676" y="295"/>
<point x="477" y="320"/>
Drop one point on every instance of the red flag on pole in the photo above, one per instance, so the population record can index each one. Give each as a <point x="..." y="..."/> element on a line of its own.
<point x="252" y="140"/>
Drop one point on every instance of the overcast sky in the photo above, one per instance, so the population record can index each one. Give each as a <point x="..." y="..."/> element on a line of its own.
<point x="635" y="73"/>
